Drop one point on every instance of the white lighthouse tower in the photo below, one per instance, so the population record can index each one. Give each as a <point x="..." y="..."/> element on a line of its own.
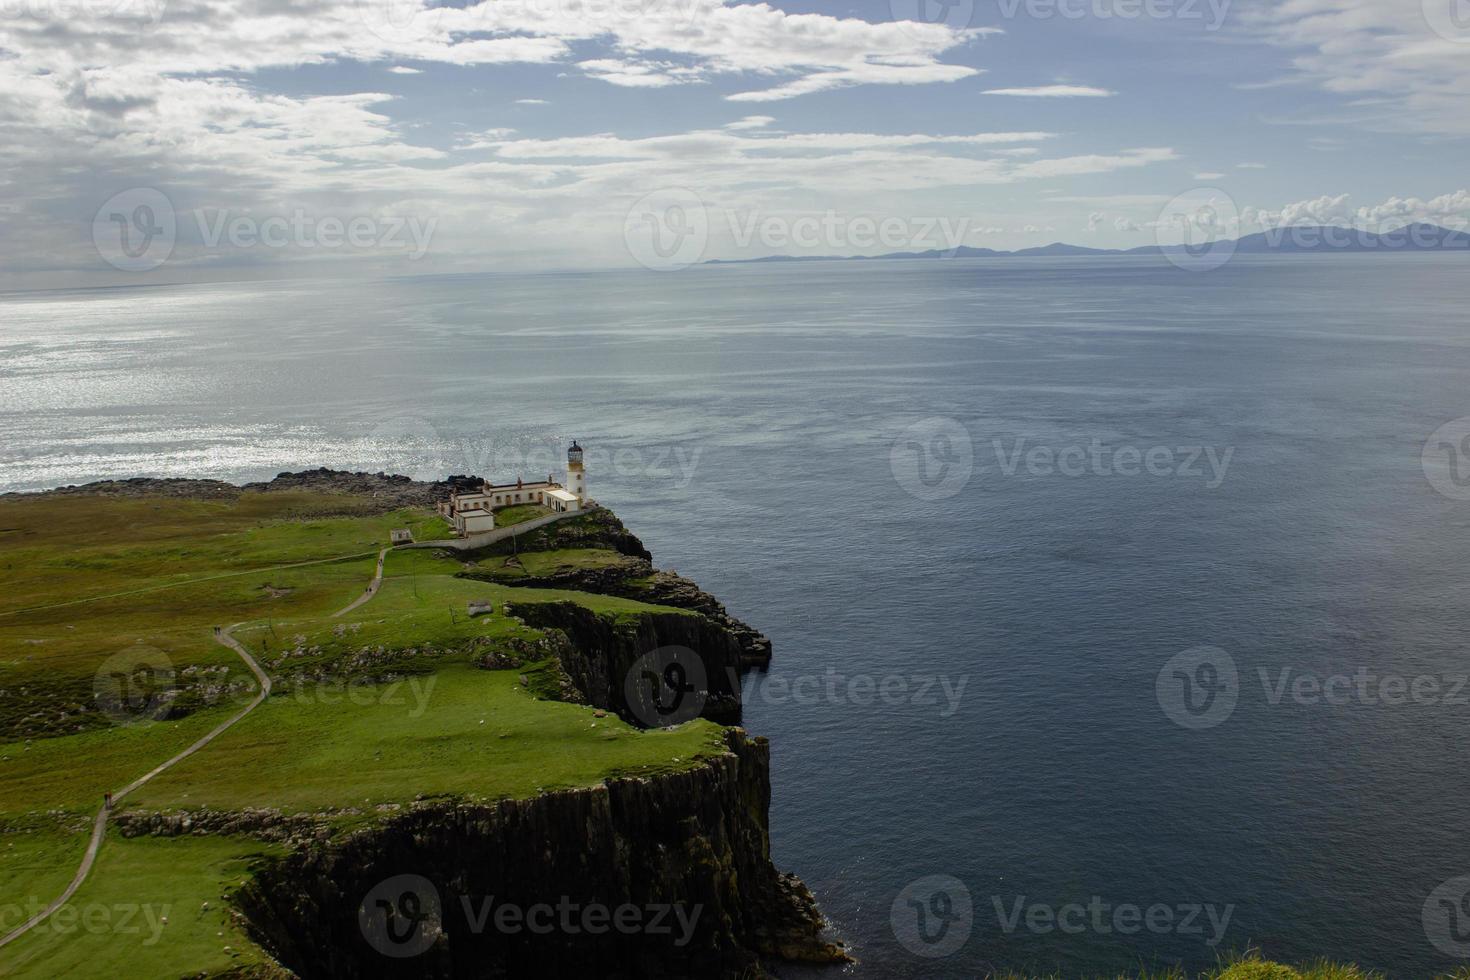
<point x="576" y="474"/>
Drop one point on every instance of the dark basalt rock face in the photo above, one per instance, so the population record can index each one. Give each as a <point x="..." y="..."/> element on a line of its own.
<point x="601" y="654"/>
<point x="688" y="849"/>
<point x="634" y="577"/>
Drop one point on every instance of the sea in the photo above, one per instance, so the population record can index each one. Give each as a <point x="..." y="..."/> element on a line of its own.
<point x="1120" y="611"/>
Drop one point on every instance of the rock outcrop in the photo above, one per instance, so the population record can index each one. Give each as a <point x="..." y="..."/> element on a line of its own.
<point x="666" y="876"/>
<point x="388" y="490"/>
<point x="602" y="652"/>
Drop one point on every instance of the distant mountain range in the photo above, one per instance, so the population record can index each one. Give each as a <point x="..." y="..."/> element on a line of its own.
<point x="1313" y="238"/>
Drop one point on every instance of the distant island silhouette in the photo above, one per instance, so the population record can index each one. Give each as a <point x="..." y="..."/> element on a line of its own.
<point x="1294" y="239"/>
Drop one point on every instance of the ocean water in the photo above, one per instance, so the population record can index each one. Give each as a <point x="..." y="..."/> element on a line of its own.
<point x="979" y="658"/>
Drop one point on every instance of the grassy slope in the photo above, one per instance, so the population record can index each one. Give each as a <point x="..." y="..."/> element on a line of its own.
<point x="160" y="574"/>
<point x="459" y="731"/>
<point x="519" y="514"/>
<point x="117" y="928"/>
<point x="542" y="563"/>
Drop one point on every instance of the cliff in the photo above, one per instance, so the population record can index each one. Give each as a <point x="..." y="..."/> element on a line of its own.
<point x="633" y="577"/>
<point x="693" y="844"/>
<point x="600" y="653"/>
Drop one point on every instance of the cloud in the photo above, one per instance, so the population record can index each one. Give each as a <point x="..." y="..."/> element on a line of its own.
<point x="866" y="73"/>
<point x="1448" y="210"/>
<point x="402" y="70"/>
<point x="1392" y="70"/>
<point x="631" y="73"/>
<point x="1095" y="163"/>
<point x="751" y="122"/>
<point x="1055" y="92"/>
<point x="1250" y="166"/>
<point x="532" y="102"/>
<point x="1209" y="176"/>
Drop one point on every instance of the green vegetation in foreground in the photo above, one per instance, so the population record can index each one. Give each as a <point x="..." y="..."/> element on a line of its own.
<point x="1246" y="967"/>
<point x="520" y="514"/>
<point x="151" y="908"/>
<point x="402" y="714"/>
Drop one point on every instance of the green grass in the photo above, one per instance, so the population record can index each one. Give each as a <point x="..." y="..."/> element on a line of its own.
<point x="86" y="579"/>
<point x="48" y="774"/>
<point x="113" y="926"/>
<point x="37" y="861"/>
<point x="539" y="564"/>
<point x="460" y="731"/>
<point x="1246" y="966"/>
<point x="415" y="622"/>
<point x="520" y="514"/>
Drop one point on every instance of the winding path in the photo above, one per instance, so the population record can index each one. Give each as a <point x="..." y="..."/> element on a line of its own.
<point x="372" y="588"/>
<point x="99" y="824"/>
<point x="223" y="637"/>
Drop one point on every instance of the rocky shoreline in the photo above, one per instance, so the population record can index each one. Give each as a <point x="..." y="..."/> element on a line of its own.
<point x="387" y="490"/>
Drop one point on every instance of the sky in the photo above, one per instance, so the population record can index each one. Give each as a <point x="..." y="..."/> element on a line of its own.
<point x="203" y="140"/>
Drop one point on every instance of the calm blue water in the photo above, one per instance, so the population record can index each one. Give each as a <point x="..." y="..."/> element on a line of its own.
<point x="746" y="419"/>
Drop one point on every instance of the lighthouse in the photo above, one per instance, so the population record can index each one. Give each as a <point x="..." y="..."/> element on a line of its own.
<point x="576" y="474"/>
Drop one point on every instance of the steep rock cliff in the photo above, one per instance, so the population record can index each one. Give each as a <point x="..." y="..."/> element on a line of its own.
<point x="686" y="852"/>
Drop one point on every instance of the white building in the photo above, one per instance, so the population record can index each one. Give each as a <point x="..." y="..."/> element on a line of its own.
<point x="473" y="512"/>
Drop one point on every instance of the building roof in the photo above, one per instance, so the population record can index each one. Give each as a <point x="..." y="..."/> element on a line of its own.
<point x="562" y="495"/>
<point x="534" y="485"/>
